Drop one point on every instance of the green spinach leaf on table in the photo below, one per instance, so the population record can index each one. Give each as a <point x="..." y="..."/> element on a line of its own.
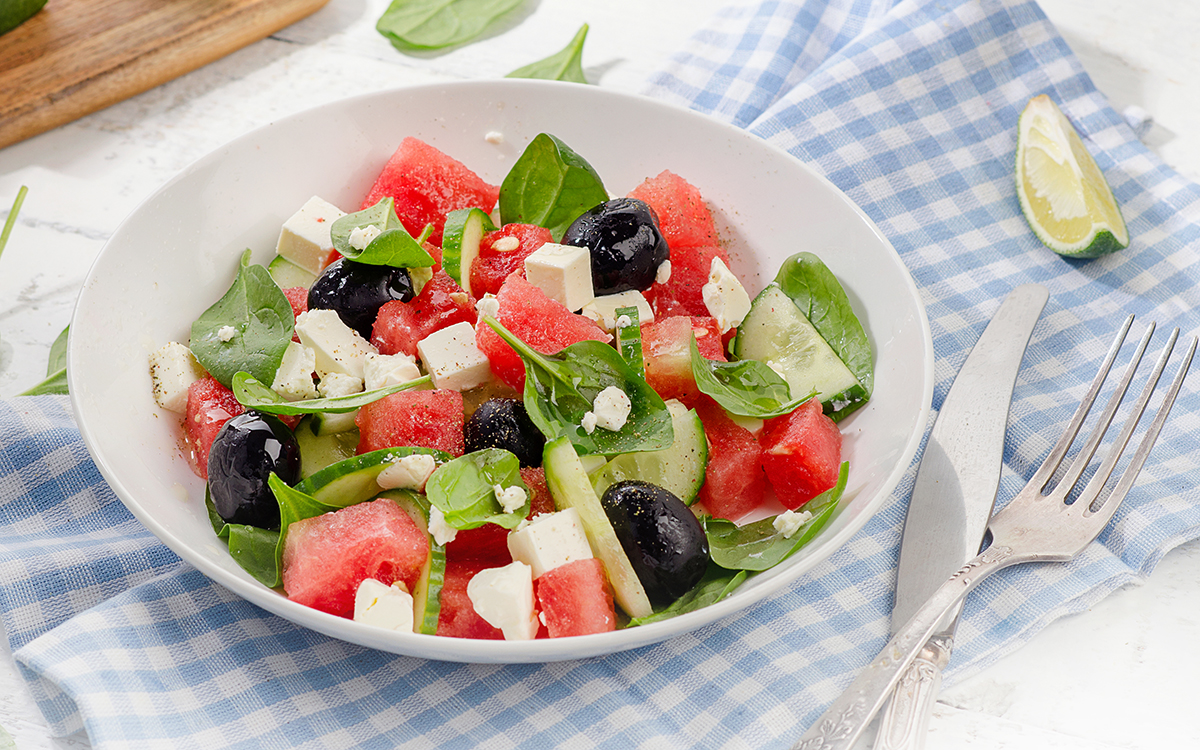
<point x="549" y="185"/>
<point x="747" y="387"/>
<point x="56" y="370"/>
<point x="253" y="394"/>
<point x="393" y="246"/>
<point x="421" y="25"/>
<point x="464" y="489"/>
<point x="564" y="65"/>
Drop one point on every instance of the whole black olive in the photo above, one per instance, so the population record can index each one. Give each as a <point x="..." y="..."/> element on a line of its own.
<point x="626" y="244"/>
<point x="244" y="453"/>
<point x="504" y="423"/>
<point x="662" y="538"/>
<point x="356" y="291"/>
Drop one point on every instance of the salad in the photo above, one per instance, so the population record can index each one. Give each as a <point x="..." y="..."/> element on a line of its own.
<point x="515" y="411"/>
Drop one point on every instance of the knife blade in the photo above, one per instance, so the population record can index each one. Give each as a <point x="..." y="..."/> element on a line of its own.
<point x="952" y="501"/>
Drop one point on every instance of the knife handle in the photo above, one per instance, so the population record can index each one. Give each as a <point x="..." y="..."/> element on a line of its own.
<point x="905" y="720"/>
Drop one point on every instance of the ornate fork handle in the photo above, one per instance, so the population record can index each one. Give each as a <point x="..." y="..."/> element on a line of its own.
<point x="846" y="718"/>
<point x="905" y="720"/>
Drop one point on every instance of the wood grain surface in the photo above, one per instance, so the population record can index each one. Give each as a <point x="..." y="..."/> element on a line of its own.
<point x="77" y="56"/>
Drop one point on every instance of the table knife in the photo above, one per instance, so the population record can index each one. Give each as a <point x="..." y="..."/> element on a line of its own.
<point x="952" y="501"/>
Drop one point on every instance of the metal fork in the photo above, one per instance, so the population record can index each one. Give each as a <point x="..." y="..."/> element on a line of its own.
<point x="1035" y="526"/>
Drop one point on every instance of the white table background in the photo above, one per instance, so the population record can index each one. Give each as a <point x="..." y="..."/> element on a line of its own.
<point x="1117" y="676"/>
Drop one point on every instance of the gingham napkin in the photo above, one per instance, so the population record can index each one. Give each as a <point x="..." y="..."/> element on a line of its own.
<point x="911" y="110"/>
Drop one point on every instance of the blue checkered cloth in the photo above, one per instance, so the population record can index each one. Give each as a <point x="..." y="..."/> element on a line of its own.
<point x="912" y="111"/>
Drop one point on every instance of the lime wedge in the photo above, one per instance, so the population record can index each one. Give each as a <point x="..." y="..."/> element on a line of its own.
<point x="1063" y="194"/>
<point x="13" y="13"/>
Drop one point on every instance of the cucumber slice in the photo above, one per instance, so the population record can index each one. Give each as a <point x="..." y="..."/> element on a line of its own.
<point x="776" y="332"/>
<point x="353" y="480"/>
<point x="570" y="488"/>
<point x="460" y="242"/>
<point x="319" y="451"/>
<point x="678" y="469"/>
<point x="427" y="593"/>
<point x="287" y="274"/>
<point x="629" y="339"/>
<point x="329" y="423"/>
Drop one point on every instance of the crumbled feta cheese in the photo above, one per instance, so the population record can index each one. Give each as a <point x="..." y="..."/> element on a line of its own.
<point x="563" y="273"/>
<point x="294" y="378"/>
<point x="336" y="384"/>
<point x="227" y="333"/>
<point x="442" y="532"/>
<point x="487" y="305"/>
<point x="611" y="408"/>
<point x="624" y="321"/>
<point x="510" y="498"/>
<point x="506" y="244"/>
<point x="452" y="359"/>
<point x="603" y="310"/>
<point x="495" y="137"/>
<point x="391" y="607"/>
<point x="304" y="238"/>
<point x="550" y="540"/>
<point x="407" y="473"/>
<point x="789" y="522"/>
<point x="338" y="348"/>
<point x="588" y="423"/>
<point x="724" y="296"/>
<point x="172" y="369"/>
<point x="504" y="597"/>
<point x="663" y="273"/>
<point x="382" y="370"/>
<point x="360" y="237"/>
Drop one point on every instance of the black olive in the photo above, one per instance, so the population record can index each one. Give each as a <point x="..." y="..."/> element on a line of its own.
<point x="356" y="291"/>
<point x="662" y="538"/>
<point x="626" y="244"/>
<point x="244" y="453"/>
<point x="504" y="423"/>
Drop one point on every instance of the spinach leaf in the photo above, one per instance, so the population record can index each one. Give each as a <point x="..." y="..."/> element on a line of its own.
<point x="262" y="321"/>
<point x="549" y="185"/>
<point x="560" y="388"/>
<point x="251" y="547"/>
<point x="11" y="221"/>
<point x="758" y="546"/>
<point x="747" y="387"/>
<point x="564" y="65"/>
<point x="629" y="339"/>
<point x="716" y="584"/>
<point x="816" y="291"/>
<point x="56" y="370"/>
<point x="464" y="489"/>
<point x="416" y="25"/>
<point x="393" y="246"/>
<point x="253" y="394"/>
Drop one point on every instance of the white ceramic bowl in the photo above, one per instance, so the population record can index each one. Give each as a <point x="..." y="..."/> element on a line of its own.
<point x="178" y="253"/>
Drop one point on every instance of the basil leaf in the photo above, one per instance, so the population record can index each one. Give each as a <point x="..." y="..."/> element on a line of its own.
<point x="58" y="354"/>
<point x="55" y="385"/>
<point x="414" y="25"/>
<point x="564" y="65"/>
<point x="464" y="489"/>
<point x="393" y="246"/>
<point x="549" y="185"/>
<point x="262" y="319"/>
<point x="560" y="388"/>
<point x="253" y="394"/>
<point x="716" y="584"/>
<point x="758" y="546"/>
<point x="816" y="291"/>
<point x="747" y="387"/>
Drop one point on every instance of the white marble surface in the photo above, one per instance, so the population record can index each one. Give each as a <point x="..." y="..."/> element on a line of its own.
<point x="1117" y="676"/>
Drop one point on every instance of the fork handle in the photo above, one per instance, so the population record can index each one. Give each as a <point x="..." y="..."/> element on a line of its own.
<point x="905" y="720"/>
<point x="846" y="718"/>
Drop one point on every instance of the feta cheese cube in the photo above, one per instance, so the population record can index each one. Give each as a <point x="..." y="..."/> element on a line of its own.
<point x="452" y="359"/>
<point x="338" y="347"/>
<point x="504" y="597"/>
<point x="172" y="369"/>
<point x="304" y="238"/>
<point x="382" y="370"/>
<point x="376" y="603"/>
<point x="442" y="532"/>
<point x="789" y="522"/>
<point x="294" y="378"/>
<point x="407" y="473"/>
<point x="724" y="296"/>
<point x="336" y="384"/>
<point x="550" y="540"/>
<point x="510" y="498"/>
<point x="563" y="272"/>
<point x="603" y="310"/>
<point x="611" y="408"/>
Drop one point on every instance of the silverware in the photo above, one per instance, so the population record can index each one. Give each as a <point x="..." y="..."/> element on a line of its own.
<point x="1032" y="527"/>
<point x="952" y="500"/>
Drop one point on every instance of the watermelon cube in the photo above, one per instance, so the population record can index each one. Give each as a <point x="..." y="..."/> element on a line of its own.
<point x="802" y="453"/>
<point x="734" y="482"/>
<point x="400" y="325"/>
<point x="433" y="419"/>
<point x="576" y="599"/>
<point x="326" y="557"/>
<point x="209" y="406"/>
<point x="683" y="216"/>
<point x="667" y="353"/>
<point x="503" y="252"/>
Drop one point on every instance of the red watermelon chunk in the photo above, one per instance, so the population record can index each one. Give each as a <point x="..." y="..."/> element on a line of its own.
<point x="426" y="184"/>
<point x="400" y="325"/>
<point x="543" y="323"/>
<point x="535" y="479"/>
<point x="683" y="216"/>
<point x="683" y="293"/>
<point x="209" y="406"/>
<point x="433" y="419"/>
<point x="493" y="266"/>
<point x="667" y="353"/>
<point x="576" y="599"/>
<point x="458" y="618"/>
<point x="734" y="482"/>
<point x="326" y="557"/>
<point x="802" y="453"/>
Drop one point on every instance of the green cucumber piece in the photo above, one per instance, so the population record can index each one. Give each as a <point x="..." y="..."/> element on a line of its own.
<point x="776" y="332"/>
<point x="287" y="274"/>
<point x="678" y="469"/>
<point x="427" y="593"/>
<point x="353" y="480"/>
<point x="570" y="488"/>
<point x="629" y="339"/>
<point x="330" y="423"/>
<point x="460" y="242"/>
<point x="319" y="451"/>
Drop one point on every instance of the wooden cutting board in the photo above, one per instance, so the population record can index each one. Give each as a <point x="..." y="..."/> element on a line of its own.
<point x="77" y="56"/>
